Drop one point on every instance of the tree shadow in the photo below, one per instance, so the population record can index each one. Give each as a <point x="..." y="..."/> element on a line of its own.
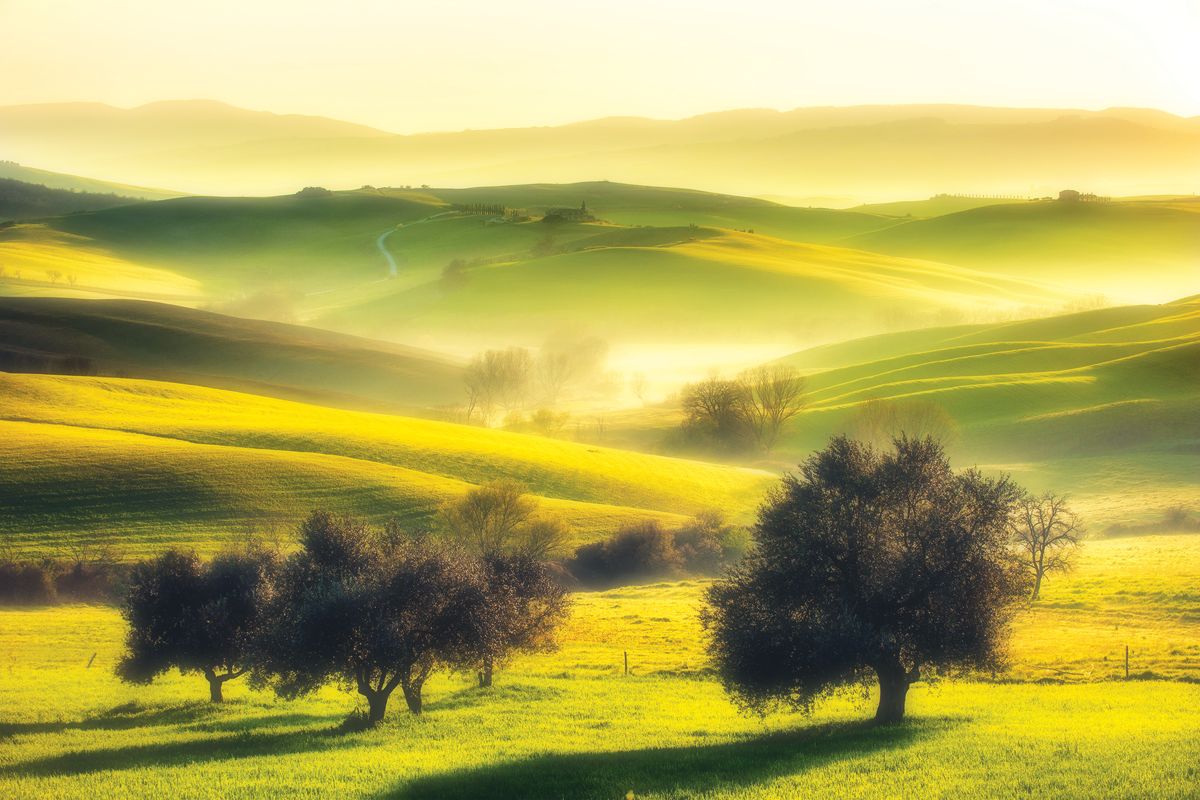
<point x="122" y="717"/>
<point x="674" y="771"/>
<point x="169" y="754"/>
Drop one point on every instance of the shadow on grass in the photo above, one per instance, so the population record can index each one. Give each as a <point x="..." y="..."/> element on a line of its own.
<point x="192" y="751"/>
<point x="674" y="771"/>
<point x="118" y="718"/>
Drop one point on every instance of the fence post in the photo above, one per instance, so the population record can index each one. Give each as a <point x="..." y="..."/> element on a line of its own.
<point x="90" y="660"/>
<point x="1126" y="662"/>
<point x="627" y="663"/>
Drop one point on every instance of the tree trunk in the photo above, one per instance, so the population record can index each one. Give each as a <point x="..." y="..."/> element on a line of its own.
<point x="376" y="707"/>
<point x="485" y="674"/>
<point x="412" y="695"/>
<point x="214" y="685"/>
<point x="893" y="690"/>
<point x="1037" y="585"/>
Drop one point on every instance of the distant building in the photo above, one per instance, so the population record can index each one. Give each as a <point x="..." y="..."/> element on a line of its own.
<point x="1068" y="196"/>
<point x="569" y="214"/>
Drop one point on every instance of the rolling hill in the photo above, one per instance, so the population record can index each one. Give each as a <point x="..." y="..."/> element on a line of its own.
<point x="143" y="464"/>
<point x="20" y="200"/>
<point x="704" y="288"/>
<point x="127" y="338"/>
<point x="874" y="152"/>
<point x="1104" y="247"/>
<point x="11" y="170"/>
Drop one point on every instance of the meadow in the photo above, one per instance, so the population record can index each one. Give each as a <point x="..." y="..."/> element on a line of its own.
<point x="1060" y="722"/>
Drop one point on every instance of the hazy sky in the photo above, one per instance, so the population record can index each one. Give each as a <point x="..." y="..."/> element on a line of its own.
<point x="449" y="64"/>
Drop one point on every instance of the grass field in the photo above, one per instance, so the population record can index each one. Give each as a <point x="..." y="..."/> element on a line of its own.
<point x="569" y="724"/>
<point x="138" y="464"/>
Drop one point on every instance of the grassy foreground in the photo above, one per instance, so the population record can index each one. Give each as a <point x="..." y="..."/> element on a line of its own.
<point x="572" y="725"/>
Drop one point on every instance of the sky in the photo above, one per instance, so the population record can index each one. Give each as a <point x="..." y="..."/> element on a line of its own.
<point x="437" y="65"/>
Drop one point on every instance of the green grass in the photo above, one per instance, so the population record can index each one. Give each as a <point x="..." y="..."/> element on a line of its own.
<point x="142" y="464"/>
<point x="167" y="342"/>
<point x="1129" y="249"/>
<point x="569" y="724"/>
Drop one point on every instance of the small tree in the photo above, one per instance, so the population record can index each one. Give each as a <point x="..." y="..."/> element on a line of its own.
<point x="525" y="604"/>
<point x="867" y="563"/>
<point x="375" y="612"/>
<point x="523" y="601"/>
<point x="194" y="616"/>
<point x="498" y="378"/>
<point x="772" y="395"/>
<point x="489" y="518"/>
<point x="713" y="408"/>
<point x="1047" y="533"/>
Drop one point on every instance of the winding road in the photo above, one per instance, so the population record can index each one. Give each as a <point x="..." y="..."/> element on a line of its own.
<point x="393" y="268"/>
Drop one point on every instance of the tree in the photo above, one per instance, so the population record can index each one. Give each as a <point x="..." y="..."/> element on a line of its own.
<point x="1047" y="533"/>
<point x="878" y="421"/>
<point x="713" y="408"/>
<point x="497" y="378"/>
<point x="525" y="604"/>
<point x="771" y="395"/>
<point x="867" y="562"/>
<point x="194" y="616"/>
<point x="374" y="612"/>
<point x="523" y="600"/>
<point x="489" y="518"/>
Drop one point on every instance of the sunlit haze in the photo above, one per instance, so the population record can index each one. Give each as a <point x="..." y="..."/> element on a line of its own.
<point x="408" y="67"/>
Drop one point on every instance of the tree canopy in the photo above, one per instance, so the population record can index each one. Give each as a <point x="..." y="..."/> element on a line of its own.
<point x="868" y="562"/>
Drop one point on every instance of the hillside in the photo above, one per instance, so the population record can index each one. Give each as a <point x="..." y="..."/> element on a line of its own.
<point x="872" y="152"/>
<point x="20" y="200"/>
<point x="166" y="342"/>
<point x="74" y="183"/>
<point x="680" y="292"/>
<point x="142" y="464"/>
<point x="1098" y="247"/>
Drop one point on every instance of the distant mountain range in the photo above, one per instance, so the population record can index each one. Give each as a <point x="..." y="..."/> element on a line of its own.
<point x="862" y="152"/>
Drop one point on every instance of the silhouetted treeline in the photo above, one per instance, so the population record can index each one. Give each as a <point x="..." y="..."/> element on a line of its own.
<point x="21" y="200"/>
<point x="482" y="209"/>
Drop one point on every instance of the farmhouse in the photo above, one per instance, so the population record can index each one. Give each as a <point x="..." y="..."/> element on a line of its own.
<point x="569" y="214"/>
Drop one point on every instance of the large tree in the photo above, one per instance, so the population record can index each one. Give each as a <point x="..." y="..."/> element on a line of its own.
<point x="194" y="616"/>
<point x="868" y="562"/>
<point x="374" y="612"/>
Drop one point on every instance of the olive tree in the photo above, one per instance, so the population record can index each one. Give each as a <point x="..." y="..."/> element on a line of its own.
<point x="373" y="612"/>
<point x="868" y="563"/>
<point x="524" y="600"/>
<point x="194" y="616"/>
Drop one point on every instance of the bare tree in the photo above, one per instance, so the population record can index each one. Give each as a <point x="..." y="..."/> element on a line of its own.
<point x="878" y="421"/>
<point x="771" y="395"/>
<point x="489" y="518"/>
<point x="497" y="378"/>
<point x="54" y="275"/>
<point x="1047" y="533"/>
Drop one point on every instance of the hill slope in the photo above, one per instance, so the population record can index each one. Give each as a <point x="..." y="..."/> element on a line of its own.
<point x="141" y="464"/>
<point x="74" y="183"/>
<point x="1125" y="248"/>
<point x="165" y="342"/>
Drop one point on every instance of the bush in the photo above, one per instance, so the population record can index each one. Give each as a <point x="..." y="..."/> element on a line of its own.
<point x="25" y="583"/>
<point x="647" y="551"/>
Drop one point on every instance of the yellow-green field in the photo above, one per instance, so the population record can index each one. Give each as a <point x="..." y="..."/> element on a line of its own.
<point x="570" y="724"/>
<point x="141" y="464"/>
